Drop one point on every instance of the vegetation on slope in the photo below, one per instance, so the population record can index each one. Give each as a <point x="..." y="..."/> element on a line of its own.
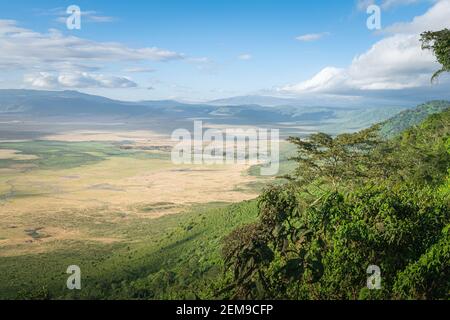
<point x="173" y="257"/>
<point x="412" y="117"/>
<point x="354" y="202"/>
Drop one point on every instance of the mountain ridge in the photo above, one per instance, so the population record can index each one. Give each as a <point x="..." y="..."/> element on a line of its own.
<point x="17" y="104"/>
<point x="411" y="117"/>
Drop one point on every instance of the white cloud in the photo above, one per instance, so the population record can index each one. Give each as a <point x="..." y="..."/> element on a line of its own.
<point x="46" y="80"/>
<point x="29" y="51"/>
<point x="312" y="36"/>
<point x="42" y="80"/>
<point x="29" y="47"/>
<point x="396" y="62"/>
<point x="245" y="56"/>
<point x="53" y="59"/>
<point x="437" y="18"/>
<point x="327" y="78"/>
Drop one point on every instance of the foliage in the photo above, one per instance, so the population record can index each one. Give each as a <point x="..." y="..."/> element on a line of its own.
<point x="439" y="43"/>
<point x="246" y="251"/>
<point x="327" y="161"/>
<point x="354" y="201"/>
<point x="422" y="152"/>
<point x="429" y="276"/>
<point x="411" y="117"/>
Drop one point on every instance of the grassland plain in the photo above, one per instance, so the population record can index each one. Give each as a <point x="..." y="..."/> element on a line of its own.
<point x="175" y="256"/>
<point x="136" y="224"/>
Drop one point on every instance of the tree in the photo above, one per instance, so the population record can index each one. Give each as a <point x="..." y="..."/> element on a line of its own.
<point x="323" y="252"/>
<point x="331" y="162"/>
<point x="439" y="43"/>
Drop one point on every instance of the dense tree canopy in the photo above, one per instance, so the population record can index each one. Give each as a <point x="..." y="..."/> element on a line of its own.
<point x="354" y="201"/>
<point x="439" y="43"/>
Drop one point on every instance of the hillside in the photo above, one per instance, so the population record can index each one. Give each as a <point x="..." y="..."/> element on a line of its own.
<point x="412" y="117"/>
<point x="384" y="204"/>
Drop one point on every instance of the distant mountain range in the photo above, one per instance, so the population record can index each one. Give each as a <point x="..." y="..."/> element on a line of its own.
<point x="74" y="104"/>
<point x="17" y="105"/>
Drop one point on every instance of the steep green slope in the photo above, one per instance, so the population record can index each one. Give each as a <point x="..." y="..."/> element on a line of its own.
<point x="409" y="118"/>
<point x="348" y="208"/>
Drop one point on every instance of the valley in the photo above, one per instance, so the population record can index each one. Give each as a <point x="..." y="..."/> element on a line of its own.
<point x="43" y="181"/>
<point x="101" y="192"/>
<point x="87" y="196"/>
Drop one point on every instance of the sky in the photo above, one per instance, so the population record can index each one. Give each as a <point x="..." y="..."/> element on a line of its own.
<point x="318" y="52"/>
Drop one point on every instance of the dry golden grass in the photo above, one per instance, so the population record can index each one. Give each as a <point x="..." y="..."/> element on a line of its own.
<point x="92" y="135"/>
<point x="6" y="154"/>
<point x="69" y="204"/>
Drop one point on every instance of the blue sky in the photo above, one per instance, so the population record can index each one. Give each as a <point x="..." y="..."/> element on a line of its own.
<point x="208" y="49"/>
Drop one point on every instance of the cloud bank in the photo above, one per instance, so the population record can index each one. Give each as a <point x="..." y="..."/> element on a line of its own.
<point x="45" y="80"/>
<point x="394" y="64"/>
<point x="55" y="60"/>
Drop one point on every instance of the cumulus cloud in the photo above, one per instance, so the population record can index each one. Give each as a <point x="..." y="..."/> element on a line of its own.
<point x="437" y="18"/>
<point x="42" y="80"/>
<point x="312" y="36"/>
<point x="46" y="80"/>
<point x="29" y="47"/>
<point x="328" y="78"/>
<point x="52" y="59"/>
<point x="394" y="63"/>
